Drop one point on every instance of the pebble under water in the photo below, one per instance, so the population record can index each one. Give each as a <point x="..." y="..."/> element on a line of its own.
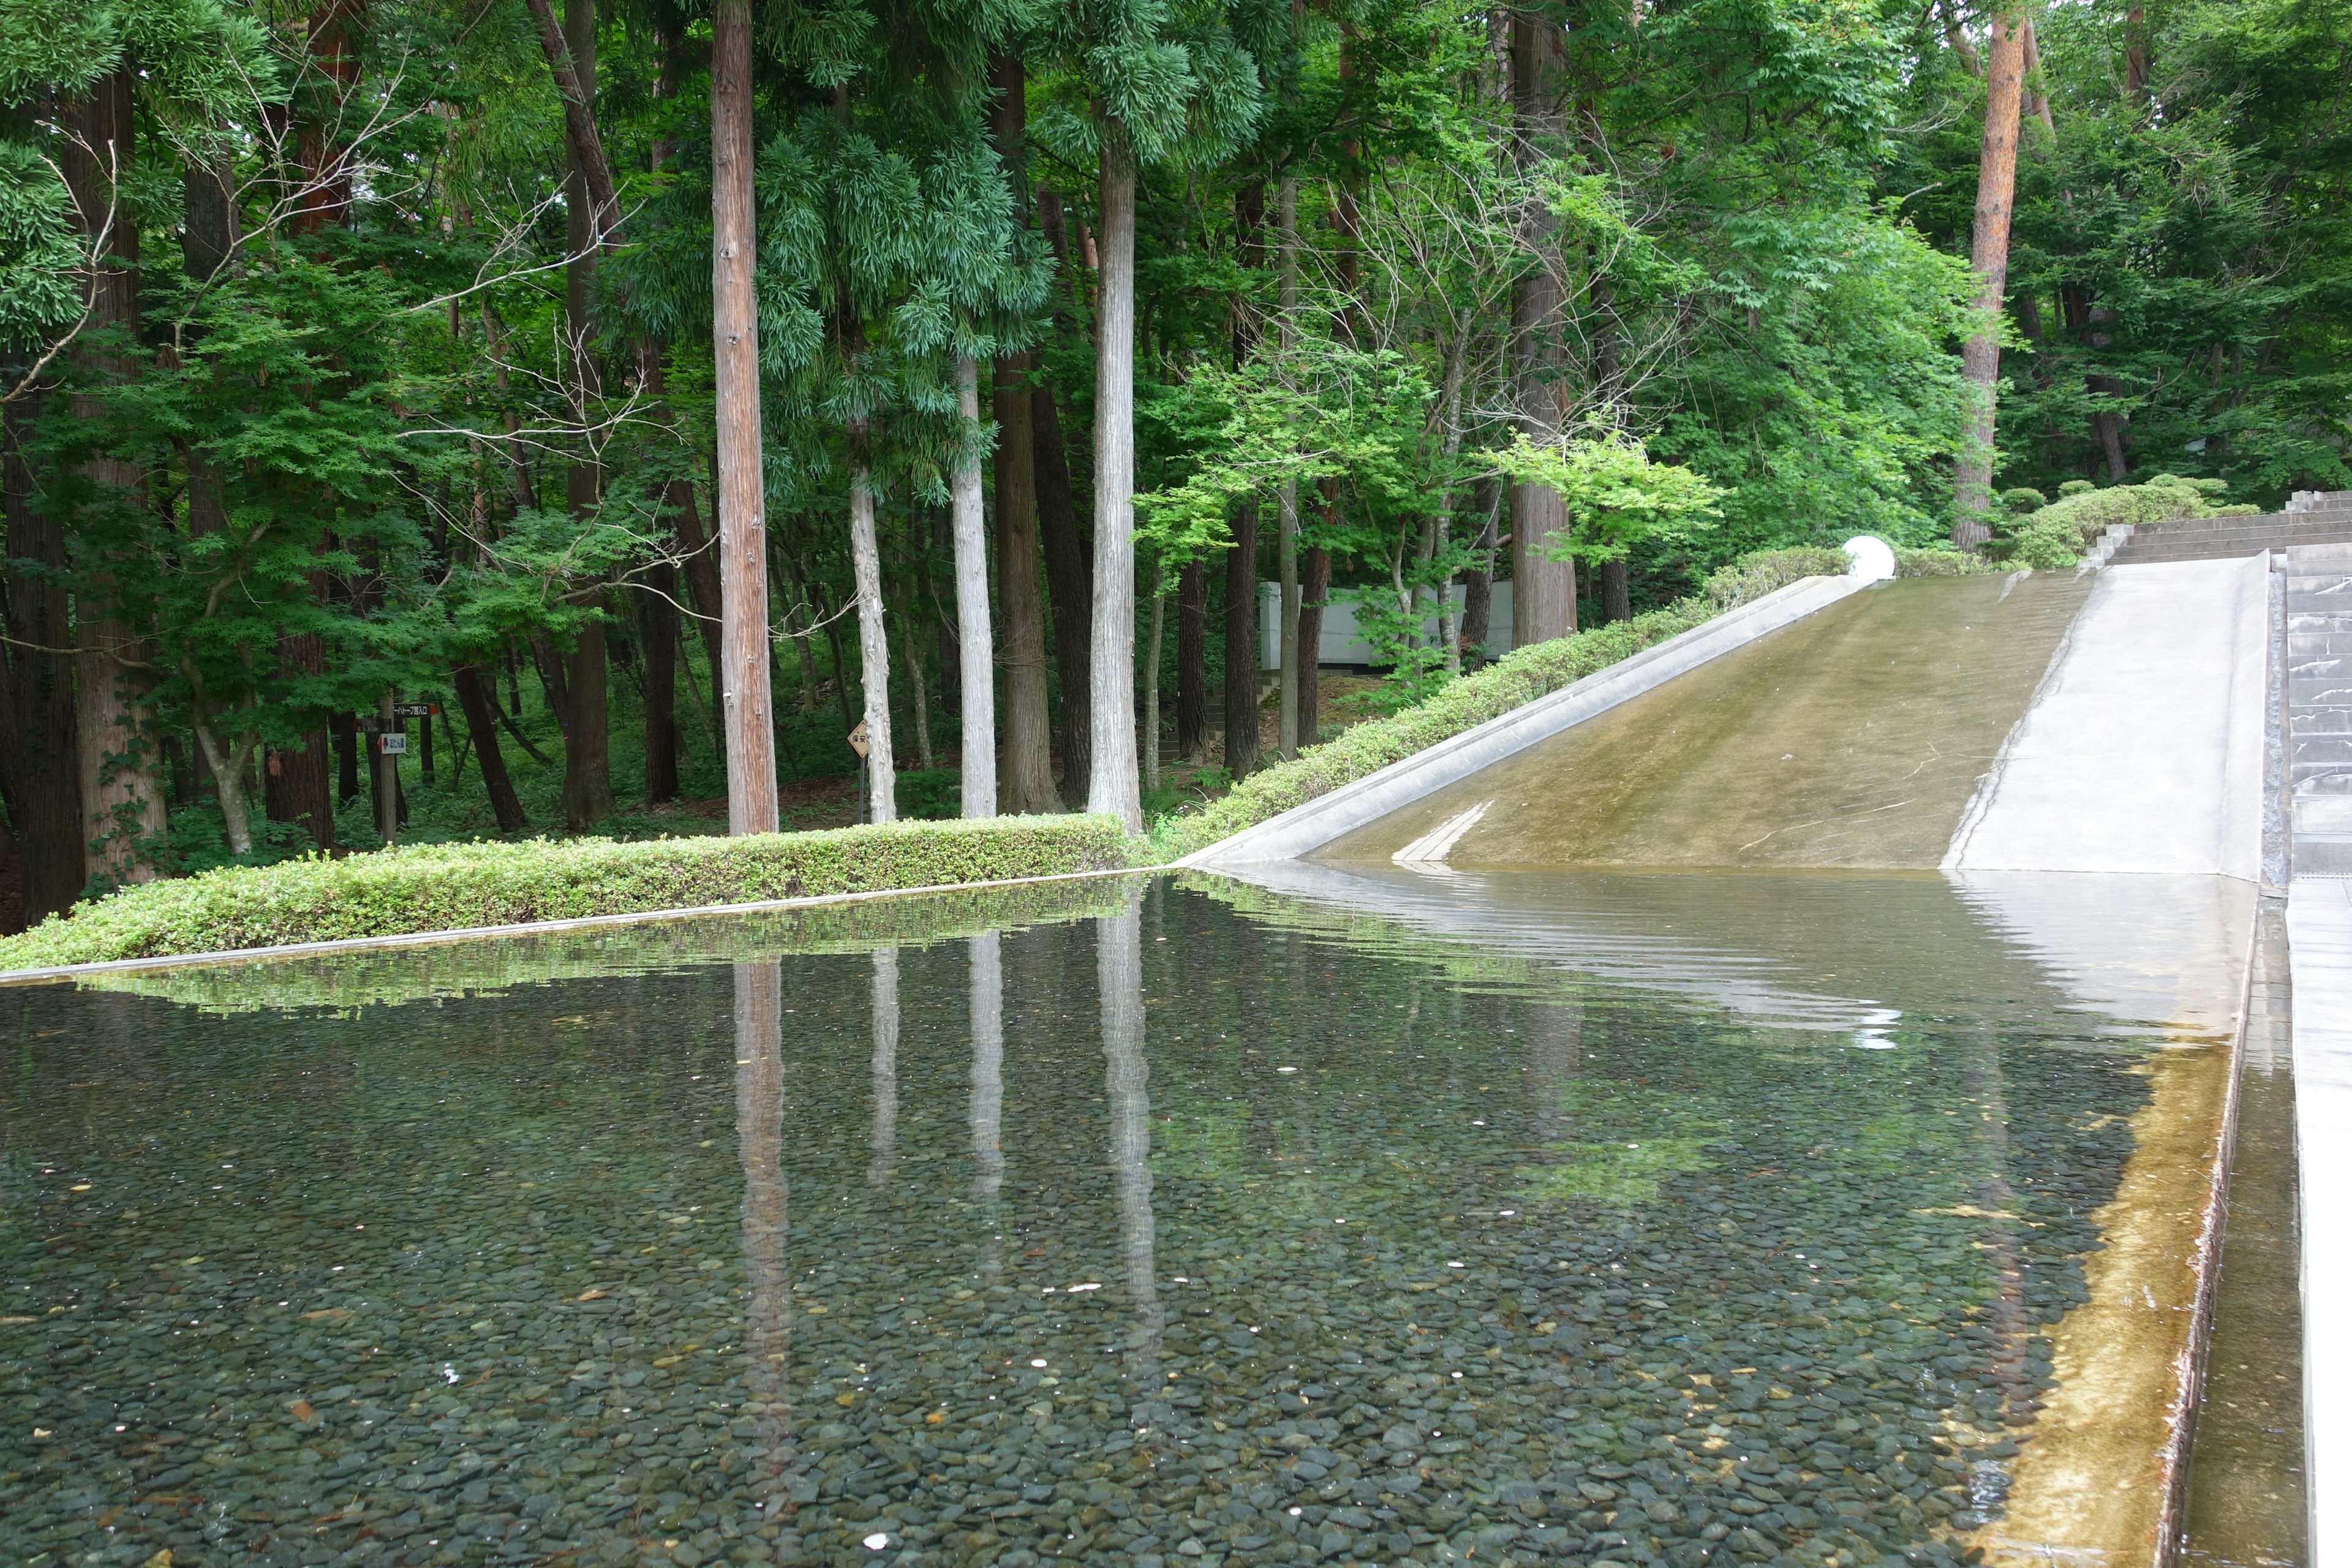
<point x="1234" y="1245"/>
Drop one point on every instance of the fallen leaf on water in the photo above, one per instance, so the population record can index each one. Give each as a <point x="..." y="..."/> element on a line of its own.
<point x="327" y="1315"/>
<point x="161" y="1560"/>
<point x="302" y="1412"/>
<point x="845" y="1400"/>
<point x="19" y="1320"/>
<point x="936" y="1417"/>
<point x="589" y="1295"/>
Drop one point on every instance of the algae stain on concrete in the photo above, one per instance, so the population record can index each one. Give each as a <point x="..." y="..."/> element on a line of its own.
<point x="2096" y="1479"/>
<point x="1853" y="738"/>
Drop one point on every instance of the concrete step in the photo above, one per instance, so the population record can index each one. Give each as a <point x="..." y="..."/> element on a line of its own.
<point x="2328" y="813"/>
<point x="2324" y="784"/>
<point x="2305" y="722"/>
<point x="2323" y="855"/>
<point x="2321" y="692"/>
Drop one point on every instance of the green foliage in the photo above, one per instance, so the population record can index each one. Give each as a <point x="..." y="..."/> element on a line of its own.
<point x="40" y="295"/>
<point x="1616" y="496"/>
<point x="2057" y="535"/>
<point x="451" y="886"/>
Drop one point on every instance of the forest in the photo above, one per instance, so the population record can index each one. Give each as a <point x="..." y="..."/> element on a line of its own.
<point x="440" y="419"/>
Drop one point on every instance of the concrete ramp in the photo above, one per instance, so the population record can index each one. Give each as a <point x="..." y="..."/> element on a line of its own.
<point x="2108" y="722"/>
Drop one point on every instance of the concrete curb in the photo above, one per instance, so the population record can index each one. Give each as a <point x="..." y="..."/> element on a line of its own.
<point x="533" y="928"/>
<point x="1304" y="828"/>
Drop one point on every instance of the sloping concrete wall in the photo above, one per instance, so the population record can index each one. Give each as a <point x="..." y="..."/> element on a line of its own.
<point x="2143" y="750"/>
<point x="1318" y="822"/>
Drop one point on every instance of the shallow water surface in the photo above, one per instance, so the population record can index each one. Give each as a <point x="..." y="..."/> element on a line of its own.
<point x="1190" y="1233"/>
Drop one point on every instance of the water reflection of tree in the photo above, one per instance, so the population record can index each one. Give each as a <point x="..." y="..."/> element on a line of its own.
<point x="988" y="1094"/>
<point x="1119" y="966"/>
<point x="885" y="1140"/>
<point x="758" y="1133"/>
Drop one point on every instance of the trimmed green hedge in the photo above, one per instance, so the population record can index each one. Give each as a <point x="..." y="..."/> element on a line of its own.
<point x="1512" y="681"/>
<point x="2057" y="535"/>
<point x="444" y="886"/>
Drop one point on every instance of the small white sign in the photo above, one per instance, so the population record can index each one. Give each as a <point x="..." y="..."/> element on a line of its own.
<point x="393" y="745"/>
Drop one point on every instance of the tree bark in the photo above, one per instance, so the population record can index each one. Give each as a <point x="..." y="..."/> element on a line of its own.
<point x="701" y="562"/>
<point x="873" y="649"/>
<point x="1285" y="538"/>
<point x="1112" y="786"/>
<point x="1241" y="645"/>
<point x="344" y="728"/>
<point x="1616" y="592"/>
<point x="121" y="794"/>
<point x="1989" y="254"/>
<point x="1543" y="590"/>
<point x="1314" y="588"/>
<point x="2037" y="95"/>
<point x="1149" y="744"/>
<point x="751" y="804"/>
<point x="1069" y="584"/>
<point x="658" y="618"/>
<point x="977" y="665"/>
<point x="1478" y="582"/>
<point x="39" y="762"/>
<point x="1192" y="663"/>
<point x="587" y="740"/>
<point x="296" y="787"/>
<point x="1026" y="775"/>
<point x="478" y="697"/>
<point x="325" y="197"/>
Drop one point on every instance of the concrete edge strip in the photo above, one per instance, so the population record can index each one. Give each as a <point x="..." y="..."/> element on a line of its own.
<point x="1315" y="823"/>
<point x="2319" y="988"/>
<point x="2189" y="1372"/>
<point x="533" y="928"/>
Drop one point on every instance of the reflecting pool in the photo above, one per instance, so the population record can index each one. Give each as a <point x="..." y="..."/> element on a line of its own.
<point x="1170" y="1224"/>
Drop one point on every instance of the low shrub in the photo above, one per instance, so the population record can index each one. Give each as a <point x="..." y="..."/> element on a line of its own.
<point x="2057" y="535"/>
<point x="443" y="887"/>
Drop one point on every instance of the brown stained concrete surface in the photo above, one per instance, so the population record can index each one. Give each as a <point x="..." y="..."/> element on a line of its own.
<point x="1855" y="737"/>
<point x="2248" y="1507"/>
<point x="2094" y="1482"/>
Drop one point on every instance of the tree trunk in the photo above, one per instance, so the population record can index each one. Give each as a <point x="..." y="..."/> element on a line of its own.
<point x="1111" y="788"/>
<point x="657" y="617"/>
<point x="1478" y="582"/>
<point x="1028" y="769"/>
<point x="121" y="794"/>
<point x="701" y="565"/>
<point x="2037" y="95"/>
<point x="225" y="756"/>
<point x="325" y="196"/>
<point x="873" y="651"/>
<point x="554" y="686"/>
<point x="587" y="740"/>
<point x="384" y="771"/>
<point x="344" y="728"/>
<point x="1241" y="645"/>
<point x="2135" y="50"/>
<point x="1151" y="742"/>
<point x="742" y="507"/>
<point x="1069" y="584"/>
<point x="1285" y="538"/>
<point x="1192" y="663"/>
<point x="296" y="788"/>
<point x="1616" y="592"/>
<point x="39" y="772"/>
<point x="918" y="695"/>
<point x="1314" y="588"/>
<point x="479" y="699"/>
<point x="976" y="662"/>
<point x="1241" y="561"/>
<point x="1543" y="590"/>
<point x="1981" y="356"/>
